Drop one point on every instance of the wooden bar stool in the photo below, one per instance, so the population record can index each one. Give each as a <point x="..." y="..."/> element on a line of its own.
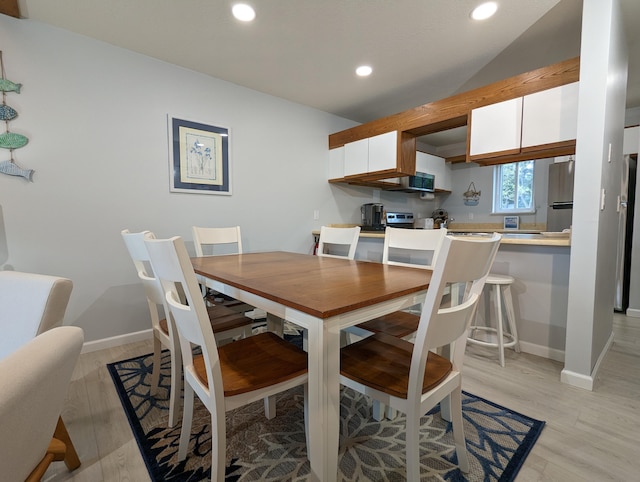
<point x="500" y="285"/>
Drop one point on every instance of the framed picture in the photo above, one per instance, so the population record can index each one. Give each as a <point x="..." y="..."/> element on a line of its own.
<point x="511" y="222"/>
<point x="198" y="157"/>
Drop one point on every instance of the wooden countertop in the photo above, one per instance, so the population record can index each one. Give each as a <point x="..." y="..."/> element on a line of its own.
<point x="508" y="237"/>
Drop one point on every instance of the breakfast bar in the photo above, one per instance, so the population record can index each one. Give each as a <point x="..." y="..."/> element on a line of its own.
<point x="539" y="262"/>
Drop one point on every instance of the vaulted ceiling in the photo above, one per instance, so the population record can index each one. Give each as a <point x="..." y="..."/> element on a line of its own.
<point x="306" y="51"/>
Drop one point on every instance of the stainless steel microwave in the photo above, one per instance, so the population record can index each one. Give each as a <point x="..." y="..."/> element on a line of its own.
<point x="421" y="182"/>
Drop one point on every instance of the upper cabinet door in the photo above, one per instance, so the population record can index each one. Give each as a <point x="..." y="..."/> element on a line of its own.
<point x="336" y="163"/>
<point x="383" y="151"/>
<point x="356" y="157"/>
<point x="437" y="166"/>
<point x="496" y="128"/>
<point x="550" y="116"/>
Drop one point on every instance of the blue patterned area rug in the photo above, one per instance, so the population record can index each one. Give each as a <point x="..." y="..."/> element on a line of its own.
<point x="498" y="439"/>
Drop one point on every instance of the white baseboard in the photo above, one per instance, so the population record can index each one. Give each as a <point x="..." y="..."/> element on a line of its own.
<point x="633" y="313"/>
<point x="577" y="380"/>
<point x="580" y="380"/>
<point x="117" y="341"/>
<point x="543" y="351"/>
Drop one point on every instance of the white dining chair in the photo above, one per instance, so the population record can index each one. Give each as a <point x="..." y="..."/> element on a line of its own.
<point x="215" y="241"/>
<point x="226" y="323"/>
<point x="226" y="377"/>
<point x="411" y="377"/>
<point x="209" y="241"/>
<point x="34" y="380"/>
<point x="414" y="248"/>
<point x="338" y="242"/>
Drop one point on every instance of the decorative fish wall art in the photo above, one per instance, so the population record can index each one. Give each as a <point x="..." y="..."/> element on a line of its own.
<point x="12" y="169"/>
<point x="11" y="140"/>
<point x="7" y="113"/>
<point x="8" y="86"/>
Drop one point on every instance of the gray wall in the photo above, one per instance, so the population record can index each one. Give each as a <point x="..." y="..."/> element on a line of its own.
<point x="96" y="117"/>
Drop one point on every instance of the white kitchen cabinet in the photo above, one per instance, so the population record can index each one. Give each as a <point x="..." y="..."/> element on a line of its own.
<point x="336" y="163"/>
<point x="550" y="116"/>
<point x="356" y="157"/>
<point x="377" y="153"/>
<point x="437" y="166"/>
<point x="383" y="152"/>
<point x="496" y="128"/>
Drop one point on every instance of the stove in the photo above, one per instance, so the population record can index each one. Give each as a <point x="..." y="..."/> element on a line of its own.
<point x="400" y="220"/>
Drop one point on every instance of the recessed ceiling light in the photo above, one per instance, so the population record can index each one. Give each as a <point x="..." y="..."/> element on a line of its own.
<point x="484" y="11"/>
<point x="243" y="12"/>
<point x="364" y="70"/>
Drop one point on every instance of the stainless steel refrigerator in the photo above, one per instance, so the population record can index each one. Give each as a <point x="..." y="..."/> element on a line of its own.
<point x="560" y="196"/>
<point x="625" y="231"/>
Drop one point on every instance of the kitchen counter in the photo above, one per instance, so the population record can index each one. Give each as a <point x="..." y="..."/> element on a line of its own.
<point x="527" y="238"/>
<point x="540" y="265"/>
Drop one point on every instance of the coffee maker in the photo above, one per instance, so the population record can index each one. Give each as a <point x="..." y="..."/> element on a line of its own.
<point x="372" y="217"/>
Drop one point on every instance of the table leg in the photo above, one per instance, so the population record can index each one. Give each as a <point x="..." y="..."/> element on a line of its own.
<point x="324" y="401"/>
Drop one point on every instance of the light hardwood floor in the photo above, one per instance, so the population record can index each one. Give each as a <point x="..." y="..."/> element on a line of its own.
<point x="589" y="436"/>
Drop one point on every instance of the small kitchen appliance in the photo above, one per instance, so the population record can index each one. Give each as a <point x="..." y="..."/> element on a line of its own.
<point x="372" y="217"/>
<point x="440" y="218"/>
<point x="400" y="220"/>
<point x="421" y="182"/>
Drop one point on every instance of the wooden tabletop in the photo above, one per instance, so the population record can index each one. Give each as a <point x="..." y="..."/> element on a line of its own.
<point x="320" y="286"/>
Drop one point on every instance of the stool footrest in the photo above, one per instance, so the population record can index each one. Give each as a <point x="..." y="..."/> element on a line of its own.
<point x="512" y="340"/>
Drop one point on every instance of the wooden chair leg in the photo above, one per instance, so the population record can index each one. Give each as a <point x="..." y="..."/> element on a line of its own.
<point x="71" y="459"/>
<point x="55" y="452"/>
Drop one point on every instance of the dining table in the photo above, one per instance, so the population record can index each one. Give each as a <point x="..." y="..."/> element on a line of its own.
<point x="321" y="295"/>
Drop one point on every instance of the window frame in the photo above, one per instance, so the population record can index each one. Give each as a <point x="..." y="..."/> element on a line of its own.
<point x="497" y="190"/>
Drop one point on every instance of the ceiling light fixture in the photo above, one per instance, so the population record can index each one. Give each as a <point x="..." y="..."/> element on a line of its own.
<point x="364" y="71"/>
<point x="243" y="12"/>
<point x="484" y="11"/>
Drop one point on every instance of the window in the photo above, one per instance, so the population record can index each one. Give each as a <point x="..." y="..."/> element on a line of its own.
<point x="513" y="188"/>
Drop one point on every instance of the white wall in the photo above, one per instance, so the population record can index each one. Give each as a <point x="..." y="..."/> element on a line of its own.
<point x="603" y="80"/>
<point x="96" y="119"/>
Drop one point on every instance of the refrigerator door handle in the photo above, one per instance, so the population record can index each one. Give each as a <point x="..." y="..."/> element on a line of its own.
<point x="562" y="205"/>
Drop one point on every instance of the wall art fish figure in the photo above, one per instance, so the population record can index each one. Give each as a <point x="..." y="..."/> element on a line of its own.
<point x="11" y="140"/>
<point x="8" y="86"/>
<point x="7" y="113"/>
<point x="10" y="168"/>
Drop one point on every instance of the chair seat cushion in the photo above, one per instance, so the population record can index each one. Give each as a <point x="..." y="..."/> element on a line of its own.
<point x="382" y="362"/>
<point x="399" y="324"/>
<point x="255" y="362"/>
<point x="221" y="317"/>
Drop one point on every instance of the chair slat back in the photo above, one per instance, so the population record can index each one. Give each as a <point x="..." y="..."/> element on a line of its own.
<point x="460" y="261"/>
<point x="140" y="256"/>
<point x="173" y="267"/>
<point x="346" y="238"/>
<point x="403" y="246"/>
<point x="212" y="237"/>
